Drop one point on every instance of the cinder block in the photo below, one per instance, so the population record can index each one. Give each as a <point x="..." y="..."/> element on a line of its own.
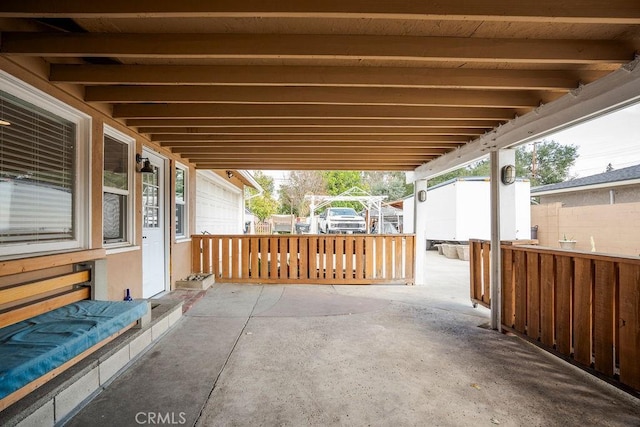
<point x="159" y="328"/>
<point x="76" y="393"/>
<point x="175" y="315"/>
<point x="113" y="364"/>
<point x="139" y="344"/>
<point x="43" y="416"/>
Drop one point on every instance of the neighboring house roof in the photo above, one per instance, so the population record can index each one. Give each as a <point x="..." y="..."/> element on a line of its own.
<point x="616" y="177"/>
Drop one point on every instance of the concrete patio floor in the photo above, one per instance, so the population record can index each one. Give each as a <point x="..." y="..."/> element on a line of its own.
<point x="352" y="355"/>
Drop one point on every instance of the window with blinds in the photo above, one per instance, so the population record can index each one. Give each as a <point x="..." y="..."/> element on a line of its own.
<point x="116" y="182"/>
<point x="37" y="174"/>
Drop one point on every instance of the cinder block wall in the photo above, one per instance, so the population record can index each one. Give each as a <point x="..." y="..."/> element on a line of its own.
<point x="615" y="228"/>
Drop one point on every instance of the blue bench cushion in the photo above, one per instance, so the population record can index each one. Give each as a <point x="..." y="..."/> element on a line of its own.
<point x="33" y="347"/>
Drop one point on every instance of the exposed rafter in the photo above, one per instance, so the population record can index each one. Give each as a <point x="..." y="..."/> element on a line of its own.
<point x="544" y="11"/>
<point x="324" y="84"/>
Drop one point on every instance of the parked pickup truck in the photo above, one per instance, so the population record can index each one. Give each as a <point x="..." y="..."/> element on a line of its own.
<point x="341" y="220"/>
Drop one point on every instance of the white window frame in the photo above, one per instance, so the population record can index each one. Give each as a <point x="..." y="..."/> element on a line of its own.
<point x="185" y="212"/>
<point x="129" y="193"/>
<point x="82" y="184"/>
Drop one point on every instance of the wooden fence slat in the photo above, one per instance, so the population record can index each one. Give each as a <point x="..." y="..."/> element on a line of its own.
<point x="533" y="295"/>
<point x="564" y="305"/>
<point x="293" y="257"/>
<point x="214" y="253"/>
<point x="368" y="263"/>
<point x="475" y="273"/>
<point x="196" y="255"/>
<point x="235" y="259"/>
<point x="246" y="259"/>
<point x="283" y="265"/>
<point x="508" y="290"/>
<point x="410" y="259"/>
<point x="225" y="258"/>
<point x="520" y="288"/>
<point x="314" y="254"/>
<point x="603" y="322"/>
<point x="304" y="258"/>
<point x="547" y="300"/>
<point x="207" y="265"/>
<point x="262" y="251"/>
<point x="388" y="257"/>
<point x="274" y="250"/>
<point x="255" y="260"/>
<point x="582" y="300"/>
<point x="339" y="245"/>
<point x="359" y="259"/>
<point x="379" y="248"/>
<point x="486" y="273"/>
<point x="349" y="258"/>
<point x="629" y="324"/>
<point x="397" y="241"/>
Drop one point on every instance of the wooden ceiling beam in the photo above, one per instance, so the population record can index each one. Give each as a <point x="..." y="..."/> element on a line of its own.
<point x="315" y="46"/>
<point x="168" y="140"/>
<point x="316" y="95"/>
<point x="312" y="131"/>
<point x="212" y="147"/>
<point x="309" y="165"/>
<point x="142" y="111"/>
<point x="317" y="123"/>
<point x="462" y="78"/>
<point x="413" y="158"/>
<point x="385" y="150"/>
<point x="542" y="11"/>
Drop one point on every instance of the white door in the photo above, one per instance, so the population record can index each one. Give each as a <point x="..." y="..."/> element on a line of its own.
<point x="154" y="264"/>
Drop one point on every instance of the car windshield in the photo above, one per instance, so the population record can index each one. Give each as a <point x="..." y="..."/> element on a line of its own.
<point x="342" y="211"/>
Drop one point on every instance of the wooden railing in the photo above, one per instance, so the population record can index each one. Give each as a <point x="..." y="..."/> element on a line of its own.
<point x="580" y="305"/>
<point x="306" y="259"/>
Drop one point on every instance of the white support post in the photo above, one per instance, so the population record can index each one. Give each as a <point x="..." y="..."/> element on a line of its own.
<point x="420" y="230"/>
<point x="496" y="255"/>
<point x="503" y="226"/>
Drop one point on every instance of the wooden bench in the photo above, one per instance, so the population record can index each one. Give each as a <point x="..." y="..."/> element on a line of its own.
<point x="60" y="315"/>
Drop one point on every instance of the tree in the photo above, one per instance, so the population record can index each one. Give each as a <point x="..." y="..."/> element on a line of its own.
<point x="340" y="181"/>
<point x="264" y="205"/>
<point x="390" y="184"/>
<point x="548" y="164"/>
<point x="301" y="183"/>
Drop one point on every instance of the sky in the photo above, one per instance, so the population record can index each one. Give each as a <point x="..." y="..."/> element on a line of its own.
<point x="613" y="138"/>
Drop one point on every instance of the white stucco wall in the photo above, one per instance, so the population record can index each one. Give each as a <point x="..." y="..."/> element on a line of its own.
<point x="219" y="205"/>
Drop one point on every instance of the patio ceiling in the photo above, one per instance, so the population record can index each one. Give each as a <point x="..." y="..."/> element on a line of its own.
<point x="358" y="85"/>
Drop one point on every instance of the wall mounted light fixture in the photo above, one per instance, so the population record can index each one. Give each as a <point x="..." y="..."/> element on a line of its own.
<point x="422" y="195"/>
<point x="146" y="166"/>
<point x="508" y="175"/>
<point x="229" y="174"/>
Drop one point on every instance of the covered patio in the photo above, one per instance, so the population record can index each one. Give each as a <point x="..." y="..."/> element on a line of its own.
<point x="352" y="355"/>
<point x="176" y="89"/>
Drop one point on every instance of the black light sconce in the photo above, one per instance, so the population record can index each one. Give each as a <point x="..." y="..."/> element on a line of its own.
<point x="146" y="166"/>
<point x="508" y="175"/>
<point x="229" y="174"/>
<point x="422" y="195"/>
